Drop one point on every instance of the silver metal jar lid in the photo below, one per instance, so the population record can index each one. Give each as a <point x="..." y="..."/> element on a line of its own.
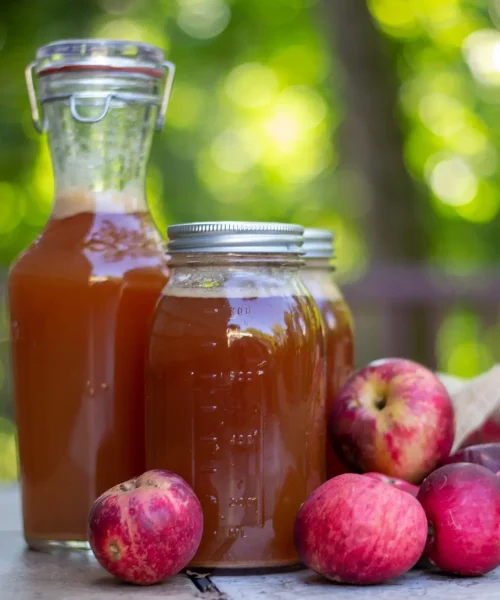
<point x="318" y="243"/>
<point x="238" y="237"/>
<point x="92" y="59"/>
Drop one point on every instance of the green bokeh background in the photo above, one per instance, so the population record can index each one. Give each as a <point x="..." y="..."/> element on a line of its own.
<point x="254" y="127"/>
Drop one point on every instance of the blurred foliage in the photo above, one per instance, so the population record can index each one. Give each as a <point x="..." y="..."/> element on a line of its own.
<point x="251" y="129"/>
<point x="447" y="58"/>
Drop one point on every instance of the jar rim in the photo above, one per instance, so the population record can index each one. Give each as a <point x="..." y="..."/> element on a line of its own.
<point x="98" y="52"/>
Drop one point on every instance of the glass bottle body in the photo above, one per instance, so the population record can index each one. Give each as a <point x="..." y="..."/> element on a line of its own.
<point x="338" y="331"/>
<point x="236" y="403"/>
<point x="80" y="300"/>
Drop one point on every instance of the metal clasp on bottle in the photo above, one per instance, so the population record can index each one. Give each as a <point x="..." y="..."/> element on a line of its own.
<point x="38" y="113"/>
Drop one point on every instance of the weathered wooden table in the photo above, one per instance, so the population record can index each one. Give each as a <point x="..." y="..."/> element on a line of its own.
<point x="27" y="575"/>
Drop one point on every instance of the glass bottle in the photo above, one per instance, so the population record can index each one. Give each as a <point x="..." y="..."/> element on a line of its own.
<point x="318" y="275"/>
<point x="81" y="296"/>
<point x="235" y="400"/>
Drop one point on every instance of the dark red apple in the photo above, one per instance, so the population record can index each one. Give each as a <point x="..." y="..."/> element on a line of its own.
<point x="486" y="455"/>
<point x="462" y="504"/>
<point x="402" y="485"/>
<point x="146" y="529"/>
<point x="354" y="529"/>
<point x="395" y="417"/>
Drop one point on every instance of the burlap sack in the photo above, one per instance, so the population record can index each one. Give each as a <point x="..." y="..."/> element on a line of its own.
<point x="474" y="400"/>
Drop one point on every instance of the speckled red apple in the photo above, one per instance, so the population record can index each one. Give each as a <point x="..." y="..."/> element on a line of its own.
<point x="354" y="529"/>
<point x="394" y="417"/>
<point x="146" y="529"/>
<point x="462" y="504"/>
<point x="400" y="484"/>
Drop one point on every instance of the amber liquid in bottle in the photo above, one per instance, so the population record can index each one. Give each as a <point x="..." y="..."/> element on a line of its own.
<point x="235" y="405"/>
<point x="81" y="299"/>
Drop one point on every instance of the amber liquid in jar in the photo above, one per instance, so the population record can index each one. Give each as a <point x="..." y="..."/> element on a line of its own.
<point x="81" y="299"/>
<point x="235" y="405"/>
<point x="338" y="334"/>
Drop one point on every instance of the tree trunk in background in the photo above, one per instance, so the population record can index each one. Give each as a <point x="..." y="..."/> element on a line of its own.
<point x="371" y="146"/>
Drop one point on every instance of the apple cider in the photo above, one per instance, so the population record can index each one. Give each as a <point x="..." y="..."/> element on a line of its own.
<point x="82" y="296"/>
<point x="235" y="394"/>
<point x="337" y="322"/>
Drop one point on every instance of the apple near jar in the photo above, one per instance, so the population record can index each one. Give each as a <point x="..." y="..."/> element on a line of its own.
<point x="393" y="417"/>
<point x="355" y="529"/>
<point x="462" y="505"/>
<point x="146" y="529"/>
<point x="400" y="484"/>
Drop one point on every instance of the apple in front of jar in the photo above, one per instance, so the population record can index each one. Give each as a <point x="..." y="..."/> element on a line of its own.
<point x="146" y="529"/>
<point x="355" y="529"/>
<point x="462" y="504"/>
<point x="402" y="485"/>
<point x="394" y="417"/>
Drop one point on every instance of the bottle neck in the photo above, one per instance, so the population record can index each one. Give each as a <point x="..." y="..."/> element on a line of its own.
<point x="100" y="167"/>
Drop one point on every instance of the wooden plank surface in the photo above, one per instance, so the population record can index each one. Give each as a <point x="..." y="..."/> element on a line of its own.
<point x="27" y="575"/>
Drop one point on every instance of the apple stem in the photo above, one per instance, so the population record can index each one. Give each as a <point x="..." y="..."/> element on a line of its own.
<point x="128" y="485"/>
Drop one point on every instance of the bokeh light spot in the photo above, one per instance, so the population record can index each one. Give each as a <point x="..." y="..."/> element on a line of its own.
<point x="460" y="348"/>
<point x="395" y="16"/>
<point x="128" y="29"/>
<point x="469" y="359"/>
<point x="251" y="85"/>
<point x="235" y="151"/>
<point x="483" y="208"/>
<point x="441" y="113"/>
<point x="482" y="52"/>
<point x="297" y="111"/>
<point x="453" y="181"/>
<point x="203" y="19"/>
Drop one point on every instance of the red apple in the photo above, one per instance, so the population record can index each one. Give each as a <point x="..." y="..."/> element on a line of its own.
<point x="395" y="417"/>
<point x="487" y="455"/>
<point x="462" y="504"/>
<point x="146" y="529"/>
<point x="354" y="529"/>
<point x="404" y="486"/>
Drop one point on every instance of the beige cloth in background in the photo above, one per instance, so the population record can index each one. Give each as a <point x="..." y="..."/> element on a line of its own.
<point x="474" y="400"/>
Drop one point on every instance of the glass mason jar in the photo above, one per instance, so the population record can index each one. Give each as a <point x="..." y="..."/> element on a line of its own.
<point x="337" y="321"/>
<point x="82" y="295"/>
<point x="235" y="401"/>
